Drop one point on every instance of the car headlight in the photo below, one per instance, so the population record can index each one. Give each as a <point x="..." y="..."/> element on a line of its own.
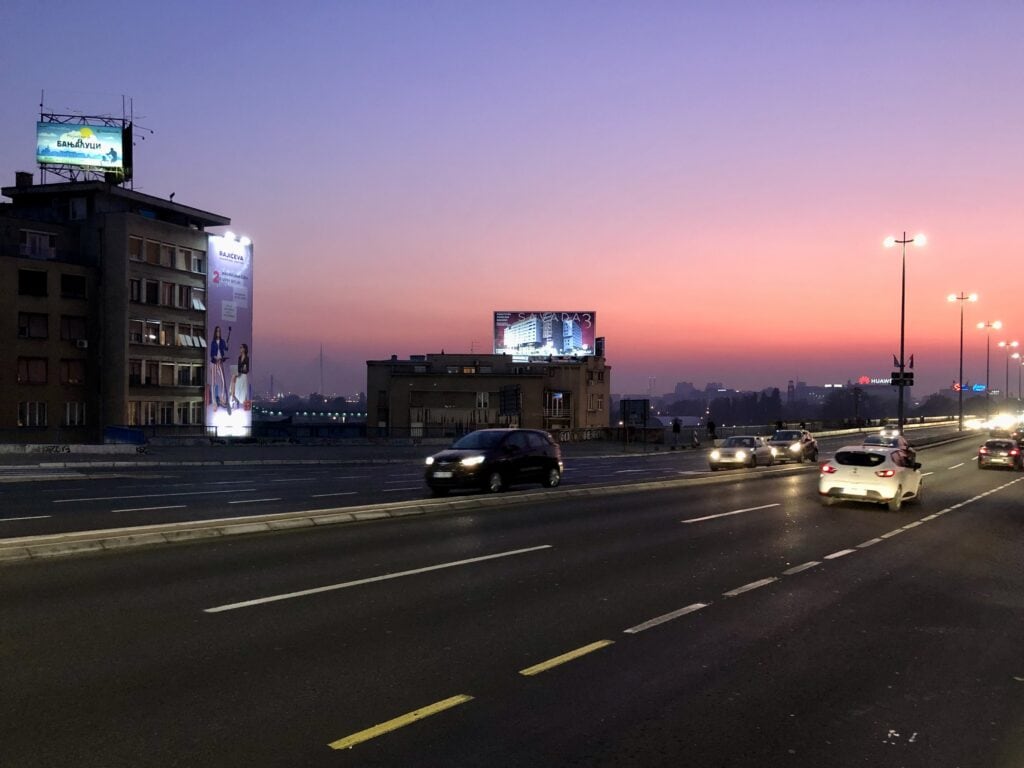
<point x="715" y="455"/>
<point x="741" y="455"/>
<point x="472" y="461"/>
<point x="794" y="447"/>
<point x="430" y="460"/>
<point x="775" y="451"/>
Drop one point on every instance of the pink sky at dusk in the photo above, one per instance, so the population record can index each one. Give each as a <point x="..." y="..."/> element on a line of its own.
<point x="714" y="179"/>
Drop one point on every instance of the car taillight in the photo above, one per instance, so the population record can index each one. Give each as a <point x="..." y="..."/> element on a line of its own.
<point x="886" y="472"/>
<point x="828" y="469"/>
<point x="1014" y="451"/>
<point x="983" y="449"/>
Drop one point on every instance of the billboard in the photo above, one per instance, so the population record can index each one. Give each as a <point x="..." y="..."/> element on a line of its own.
<point x="229" y="335"/>
<point x="544" y="334"/>
<point x="99" y="147"/>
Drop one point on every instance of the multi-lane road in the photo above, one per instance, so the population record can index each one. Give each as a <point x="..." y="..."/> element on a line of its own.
<point x="726" y="623"/>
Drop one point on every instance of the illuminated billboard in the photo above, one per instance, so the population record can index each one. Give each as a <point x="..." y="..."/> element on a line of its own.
<point x="544" y="334"/>
<point x="229" y="381"/>
<point x="99" y="147"/>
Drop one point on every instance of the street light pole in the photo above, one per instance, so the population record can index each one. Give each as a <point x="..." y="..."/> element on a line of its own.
<point x="960" y="381"/>
<point x="988" y="326"/>
<point x="1007" y="346"/>
<point x="889" y="242"/>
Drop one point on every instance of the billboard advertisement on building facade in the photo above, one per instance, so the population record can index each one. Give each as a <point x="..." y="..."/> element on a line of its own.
<point x="544" y="334"/>
<point x="229" y="335"/>
<point x="89" y="146"/>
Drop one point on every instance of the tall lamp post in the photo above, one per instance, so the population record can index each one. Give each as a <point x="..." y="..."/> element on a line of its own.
<point x="960" y="381"/>
<point x="890" y="242"/>
<point x="1017" y="356"/>
<point x="1007" y="346"/>
<point x="988" y="326"/>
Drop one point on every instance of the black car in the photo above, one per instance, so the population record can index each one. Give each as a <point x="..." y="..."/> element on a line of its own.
<point x="494" y="459"/>
<point x="1000" y="453"/>
<point x="794" y="445"/>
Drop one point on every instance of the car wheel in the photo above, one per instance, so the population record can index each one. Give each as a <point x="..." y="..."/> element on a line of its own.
<point x="753" y="461"/>
<point x="827" y="501"/>
<point x="438" y="491"/>
<point x="495" y="482"/>
<point x="920" y="493"/>
<point x="813" y="456"/>
<point x="554" y="477"/>
<point x="896" y="501"/>
<point x="771" y="461"/>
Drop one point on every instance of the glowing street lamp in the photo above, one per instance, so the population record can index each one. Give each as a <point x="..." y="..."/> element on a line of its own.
<point x="988" y="326"/>
<point x="1007" y="346"/>
<point x="960" y="381"/>
<point x="890" y="242"/>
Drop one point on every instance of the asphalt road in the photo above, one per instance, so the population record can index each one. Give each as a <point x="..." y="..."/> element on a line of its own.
<point x="730" y="624"/>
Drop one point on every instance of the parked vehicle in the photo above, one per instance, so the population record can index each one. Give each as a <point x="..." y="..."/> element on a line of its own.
<point x="494" y="459"/>
<point x="1000" y="452"/>
<point x="794" y="445"/>
<point x="878" y="474"/>
<point x="741" y="451"/>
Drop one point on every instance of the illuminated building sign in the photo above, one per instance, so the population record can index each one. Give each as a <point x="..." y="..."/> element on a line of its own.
<point x="544" y="334"/>
<point x="229" y="380"/>
<point x="99" y="147"/>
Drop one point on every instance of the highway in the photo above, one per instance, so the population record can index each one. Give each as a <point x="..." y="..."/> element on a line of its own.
<point x="733" y="623"/>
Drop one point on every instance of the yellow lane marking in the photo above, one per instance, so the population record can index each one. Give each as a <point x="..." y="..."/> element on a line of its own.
<point x="536" y="669"/>
<point x="392" y="725"/>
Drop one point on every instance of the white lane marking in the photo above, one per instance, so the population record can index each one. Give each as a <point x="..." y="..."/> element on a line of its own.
<point x="890" y="534"/>
<point x="229" y="482"/>
<point x="151" y="509"/>
<point x="251" y="501"/>
<point x="372" y="579"/>
<point x="340" y="493"/>
<point x="930" y="517"/>
<point x="665" y="617"/>
<point x="33" y="517"/>
<point x="840" y="553"/>
<point x="869" y="543"/>
<point x="726" y="514"/>
<point x="799" y="568"/>
<point x="403" y="488"/>
<point x="914" y="524"/>
<point x="293" y="480"/>
<point x="926" y="474"/>
<point x="750" y="586"/>
<point x="151" y="495"/>
<point x="957" y="466"/>
<point x="632" y="471"/>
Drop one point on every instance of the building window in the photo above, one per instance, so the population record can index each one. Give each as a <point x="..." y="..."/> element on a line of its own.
<point x="152" y="252"/>
<point x="77" y="208"/>
<point x="73" y="286"/>
<point x="135" y="248"/>
<point x="152" y="335"/>
<point x="31" y="282"/>
<point x="151" y="292"/>
<point x="184" y="260"/>
<point x="33" y="325"/>
<point x="136" y="329"/>
<point x="483" y="399"/>
<point x="197" y="412"/>
<point x="152" y="373"/>
<point x="135" y="289"/>
<point x="37" y="245"/>
<point x="167" y="255"/>
<point x="72" y="328"/>
<point x="199" y="263"/>
<point x="31" y="414"/>
<point x="72" y="371"/>
<point x="74" y="414"/>
<point x="134" y="413"/>
<point x="199" y="299"/>
<point x="166" y="374"/>
<point x="31" y="370"/>
<point x="197" y="375"/>
<point x="184" y="298"/>
<point x="166" y="412"/>
<point x="168" y="294"/>
<point x="148" y="412"/>
<point x="183" y="413"/>
<point x="134" y="372"/>
<point x="595" y="402"/>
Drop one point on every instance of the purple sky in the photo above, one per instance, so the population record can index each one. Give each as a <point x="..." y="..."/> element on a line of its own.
<point x="714" y="179"/>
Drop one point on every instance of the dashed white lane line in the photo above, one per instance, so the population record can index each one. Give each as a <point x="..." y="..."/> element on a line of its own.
<point x="340" y="493"/>
<point x="251" y="501"/>
<point x="153" y="509"/>
<point x="33" y="517"/>
<point x="869" y="543"/>
<point x="727" y="514"/>
<point x="752" y="585"/>
<point x="371" y="580"/>
<point x="957" y="466"/>
<point x="840" y="553"/>
<point x="665" y="617"/>
<point x="152" y="495"/>
<point x="799" y="568"/>
<point x="890" y="534"/>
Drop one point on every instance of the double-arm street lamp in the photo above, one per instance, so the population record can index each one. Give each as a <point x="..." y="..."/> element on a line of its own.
<point x="988" y="326"/>
<point x="1007" y="346"/>
<point x="890" y="242"/>
<point x="960" y="381"/>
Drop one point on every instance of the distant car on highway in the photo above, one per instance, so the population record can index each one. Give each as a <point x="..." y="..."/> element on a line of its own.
<point x="494" y="459"/>
<point x="877" y="474"/>
<point x="1000" y="452"/>
<point x="794" y="445"/>
<point x="891" y="438"/>
<point x="741" y="451"/>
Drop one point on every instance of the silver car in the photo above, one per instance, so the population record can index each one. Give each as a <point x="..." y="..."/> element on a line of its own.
<point x="741" y="451"/>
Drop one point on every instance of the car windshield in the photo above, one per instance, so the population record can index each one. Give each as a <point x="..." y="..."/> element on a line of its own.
<point x="479" y="440"/>
<point x="859" y="459"/>
<point x="880" y="440"/>
<point x="738" y="442"/>
<point x="1000" y="445"/>
<point x="786" y="434"/>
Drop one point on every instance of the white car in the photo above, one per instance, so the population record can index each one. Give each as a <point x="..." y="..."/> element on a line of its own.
<point x="881" y="475"/>
<point x="741" y="451"/>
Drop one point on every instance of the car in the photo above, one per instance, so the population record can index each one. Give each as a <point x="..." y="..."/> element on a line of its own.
<point x="878" y="474"/>
<point x="891" y="438"/>
<point x="1000" y="452"/>
<point x="794" y="445"/>
<point x="494" y="459"/>
<point x="741" y="451"/>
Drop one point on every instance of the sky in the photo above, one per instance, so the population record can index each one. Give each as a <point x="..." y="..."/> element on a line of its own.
<point x="713" y="179"/>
